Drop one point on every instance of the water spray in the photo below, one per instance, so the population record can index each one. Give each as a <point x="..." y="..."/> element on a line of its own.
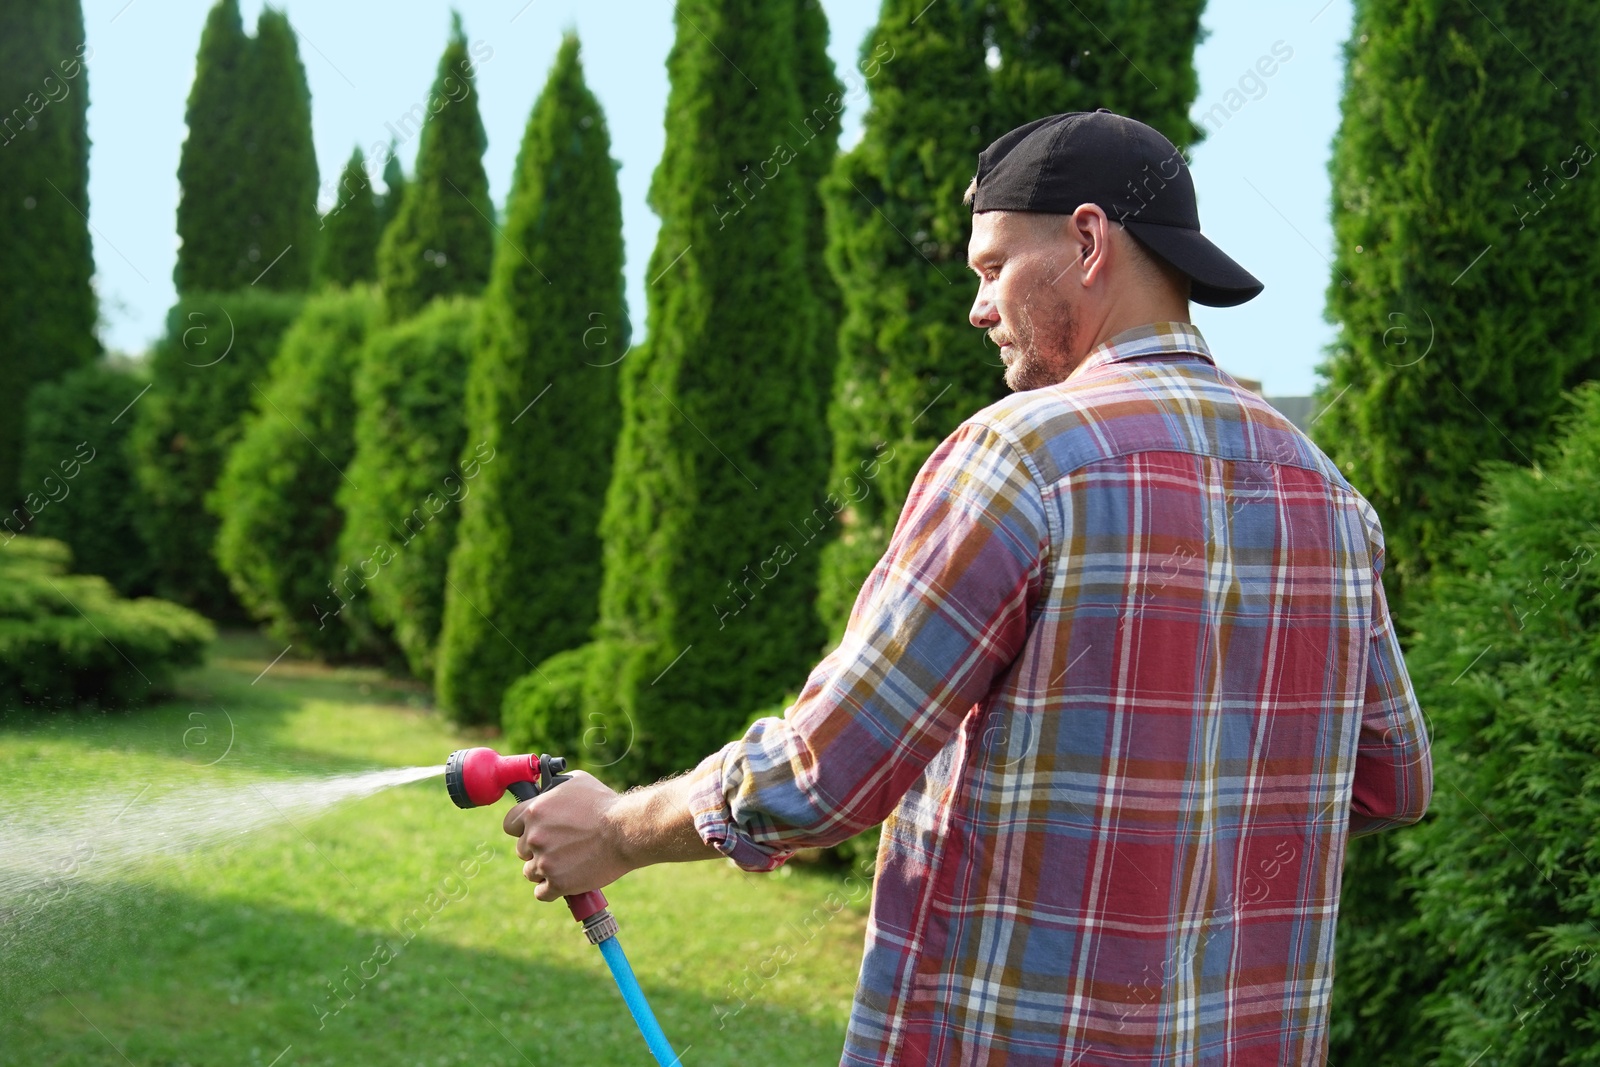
<point x="477" y="777"/>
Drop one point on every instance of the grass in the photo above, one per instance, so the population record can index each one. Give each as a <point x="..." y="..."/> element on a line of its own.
<point x="231" y="954"/>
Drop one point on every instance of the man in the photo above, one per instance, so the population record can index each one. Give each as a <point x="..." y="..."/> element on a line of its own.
<point x="1122" y="685"/>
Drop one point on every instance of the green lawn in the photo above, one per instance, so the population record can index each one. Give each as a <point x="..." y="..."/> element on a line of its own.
<point x="226" y="955"/>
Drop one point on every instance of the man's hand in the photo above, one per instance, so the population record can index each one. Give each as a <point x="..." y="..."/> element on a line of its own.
<point x="567" y="838"/>
<point x="585" y="836"/>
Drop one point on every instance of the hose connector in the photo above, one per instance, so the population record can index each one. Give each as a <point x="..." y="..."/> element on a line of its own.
<point x="600" y="926"/>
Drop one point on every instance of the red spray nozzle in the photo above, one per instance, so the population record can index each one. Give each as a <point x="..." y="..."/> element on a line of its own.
<point x="480" y="776"/>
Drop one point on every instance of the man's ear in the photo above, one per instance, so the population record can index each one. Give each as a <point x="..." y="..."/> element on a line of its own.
<point x="1091" y="232"/>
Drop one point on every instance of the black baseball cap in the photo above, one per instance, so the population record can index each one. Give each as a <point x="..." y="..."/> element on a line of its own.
<point x="1137" y="176"/>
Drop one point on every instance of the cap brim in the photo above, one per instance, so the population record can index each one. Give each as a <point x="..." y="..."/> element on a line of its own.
<point x="1217" y="281"/>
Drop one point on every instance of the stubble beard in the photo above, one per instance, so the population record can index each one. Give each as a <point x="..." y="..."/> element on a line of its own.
<point x="1041" y="343"/>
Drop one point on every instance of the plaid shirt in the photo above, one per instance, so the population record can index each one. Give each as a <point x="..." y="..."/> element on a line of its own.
<point x="1122" y="686"/>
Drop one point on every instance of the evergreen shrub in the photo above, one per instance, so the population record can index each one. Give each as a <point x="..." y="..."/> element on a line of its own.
<point x="1466" y="216"/>
<point x="48" y="313"/>
<point x="1474" y="934"/>
<point x="408" y="480"/>
<point x="67" y="639"/>
<point x="247" y="171"/>
<point x="724" y="447"/>
<point x="277" y="494"/>
<point x="524" y="576"/>
<point x="347" y="252"/>
<point x="441" y="238"/>
<point x="204" y="373"/>
<point x="78" y="470"/>
<point x="543" y="712"/>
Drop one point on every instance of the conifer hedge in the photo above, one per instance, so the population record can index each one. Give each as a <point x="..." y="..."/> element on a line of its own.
<point x="542" y="396"/>
<point x="204" y="372"/>
<point x="78" y="473"/>
<point x="898" y="245"/>
<point x="347" y="250"/>
<point x="48" y="312"/>
<point x="441" y="239"/>
<point x="283" y="231"/>
<point x="1475" y="937"/>
<point x="277" y="495"/>
<point x="910" y="366"/>
<point x="1054" y="57"/>
<point x="407" y="478"/>
<point x="823" y="98"/>
<point x="214" y="183"/>
<point x="247" y="172"/>
<point x="706" y="607"/>
<point x="543" y="712"/>
<point x="1466" y="214"/>
<point x="394" y="190"/>
<point x="67" y="640"/>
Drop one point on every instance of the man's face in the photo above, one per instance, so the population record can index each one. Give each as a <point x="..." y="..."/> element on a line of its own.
<point x="1025" y="299"/>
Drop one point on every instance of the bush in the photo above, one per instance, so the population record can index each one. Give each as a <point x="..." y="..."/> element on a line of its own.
<point x="525" y="572"/>
<point x="67" y="639"/>
<point x="204" y="374"/>
<point x="47" y="317"/>
<point x="543" y="712"/>
<point x="347" y="253"/>
<point x="78" y="471"/>
<point x="247" y="171"/>
<point x="409" y="436"/>
<point x="1449" y="151"/>
<point x="1483" y="918"/>
<point x="441" y="238"/>
<point x="277" y="495"/>
<point x="720" y="453"/>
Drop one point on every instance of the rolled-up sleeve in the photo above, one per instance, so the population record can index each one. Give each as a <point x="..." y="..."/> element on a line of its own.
<point x="943" y="614"/>
<point x="1394" y="762"/>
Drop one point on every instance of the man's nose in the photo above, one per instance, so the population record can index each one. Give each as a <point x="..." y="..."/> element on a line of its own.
<point x="983" y="314"/>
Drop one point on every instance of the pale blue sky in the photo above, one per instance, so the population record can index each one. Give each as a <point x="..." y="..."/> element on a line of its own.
<point x="1262" y="177"/>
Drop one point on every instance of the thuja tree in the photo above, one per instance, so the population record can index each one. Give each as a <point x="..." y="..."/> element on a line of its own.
<point x="705" y="609"/>
<point x="348" y="246"/>
<point x="215" y="184"/>
<point x="71" y="642"/>
<point x="1492" y="952"/>
<point x="945" y="81"/>
<point x="1053" y="57"/>
<point x="78" y="471"/>
<point x="247" y="172"/>
<point x="282" y="224"/>
<point x="408" y="478"/>
<point x="47" y="316"/>
<point x="1467" y="226"/>
<point x="204" y="372"/>
<point x="542" y="397"/>
<point x="442" y="238"/>
<point x="277" y="495"/>
<point x="1462" y="312"/>
<point x="822" y="102"/>
<point x="910" y="368"/>
<point x="394" y="190"/>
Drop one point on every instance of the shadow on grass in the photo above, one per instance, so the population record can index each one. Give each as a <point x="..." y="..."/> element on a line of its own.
<point x="154" y="976"/>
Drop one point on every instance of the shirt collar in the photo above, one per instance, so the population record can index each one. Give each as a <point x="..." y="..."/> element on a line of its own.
<point x="1151" y="339"/>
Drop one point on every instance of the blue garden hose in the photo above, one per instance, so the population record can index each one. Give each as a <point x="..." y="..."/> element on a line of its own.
<point x="479" y="776"/>
<point x="638" y="1007"/>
